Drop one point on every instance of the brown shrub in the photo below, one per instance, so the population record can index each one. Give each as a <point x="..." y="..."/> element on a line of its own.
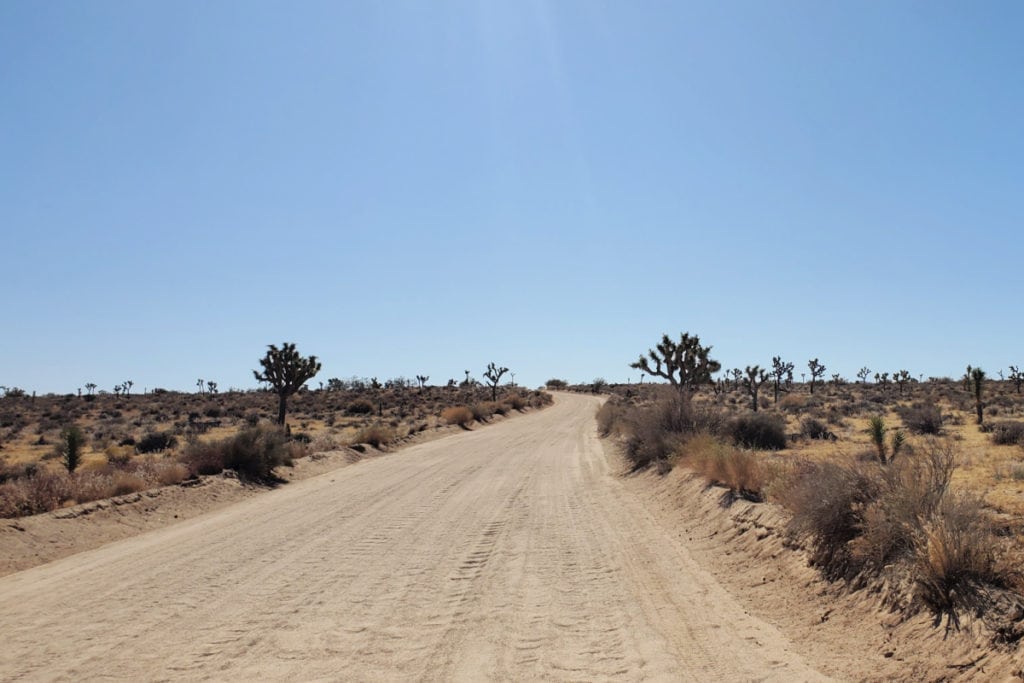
<point x="738" y="470"/>
<point x="460" y="415"/>
<point x="376" y="435"/>
<point x="253" y="452"/>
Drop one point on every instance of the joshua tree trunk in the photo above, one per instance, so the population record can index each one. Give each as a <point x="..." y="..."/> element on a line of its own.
<point x="282" y="408"/>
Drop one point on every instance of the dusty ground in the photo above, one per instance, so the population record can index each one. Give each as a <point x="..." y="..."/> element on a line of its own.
<point x="512" y="552"/>
<point x="509" y="552"/>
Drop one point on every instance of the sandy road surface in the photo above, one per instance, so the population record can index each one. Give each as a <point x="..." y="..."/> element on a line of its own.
<point x="507" y="553"/>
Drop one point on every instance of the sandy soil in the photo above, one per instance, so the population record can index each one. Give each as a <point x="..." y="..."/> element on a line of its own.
<point x="509" y="552"/>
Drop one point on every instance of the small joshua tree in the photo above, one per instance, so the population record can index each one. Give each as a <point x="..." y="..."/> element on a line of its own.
<point x="753" y="381"/>
<point x="863" y="374"/>
<point x="90" y="387"/>
<point x="978" y="383"/>
<point x="422" y="379"/>
<point x="493" y="376"/>
<point x="685" y="364"/>
<point x="1017" y="377"/>
<point x="817" y="371"/>
<point x="128" y="384"/>
<point x="211" y="386"/>
<point x="201" y="383"/>
<point x="71" y="442"/>
<point x="781" y="372"/>
<point x="286" y="371"/>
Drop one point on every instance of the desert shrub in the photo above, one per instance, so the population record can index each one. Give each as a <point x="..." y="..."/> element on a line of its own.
<point x="460" y="415"/>
<point x="758" y="430"/>
<point x="556" y="384"/>
<point x="958" y="559"/>
<point x="376" y="435"/>
<point x="1008" y="433"/>
<point x="118" y="456"/>
<point x="360" y="406"/>
<point x="922" y="418"/>
<point x="156" y="441"/>
<point x="482" y="411"/>
<point x="720" y="464"/>
<point x="826" y="501"/>
<point x="516" y="401"/>
<point x="72" y="440"/>
<point x="814" y="428"/>
<point x="907" y="492"/>
<point x="41" y="492"/>
<point x="608" y="417"/>
<point x="126" y="482"/>
<point x="253" y="452"/>
<point x="501" y="408"/>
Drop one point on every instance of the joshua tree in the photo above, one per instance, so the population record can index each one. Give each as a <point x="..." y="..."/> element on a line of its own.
<point x="1017" y="377"/>
<point x="967" y="379"/>
<point x="817" y="370"/>
<point x="901" y="378"/>
<point x="71" y="441"/>
<point x="685" y="365"/>
<point x="753" y="381"/>
<point x="737" y="377"/>
<point x="201" y="383"/>
<point x="863" y="374"/>
<point x="211" y="386"/>
<point x="978" y="382"/>
<point x="781" y="372"/>
<point x="286" y="371"/>
<point x="422" y="379"/>
<point x="493" y="376"/>
<point x="117" y="389"/>
<point x="90" y="387"/>
<point x="837" y="379"/>
<point x="128" y="384"/>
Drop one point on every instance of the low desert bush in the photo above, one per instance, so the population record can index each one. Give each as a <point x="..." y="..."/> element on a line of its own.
<point x="1008" y="433"/>
<point x="759" y="431"/>
<point x="376" y="435"/>
<point x="42" y="491"/>
<point x="516" y="401"/>
<point x="814" y="428"/>
<point x="482" y="411"/>
<point x="360" y="406"/>
<point x="154" y="442"/>
<point x="253" y="452"/>
<point x="922" y="418"/>
<point x="458" y="415"/>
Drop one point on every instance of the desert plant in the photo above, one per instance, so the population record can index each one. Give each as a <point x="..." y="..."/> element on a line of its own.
<point x="922" y="418"/>
<point x="460" y="415"/>
<point x="286" y="371"/>
<point x="71" y="442"/>
<point x="752" y="383"/>
<point x="863" y="374"/>
<point x="598" y="385"/>
<point x="813" y="428"/>
<point x="901" y="378"/>
<point x="1017" y="377"/>
<point x="782" y="376"/>
<point x="758" y="431"/>
<point x="817" y="371"/>
<point x="1008" y="433"/>
<point x="376" y="435"/>
<point x="155" y="441"/>
<point x="253" y="452"/>
<point x="555" y="383"/>
<point x="978" y="385"/>
<point x="686" y="364"/>
<point x="493" y="376"/>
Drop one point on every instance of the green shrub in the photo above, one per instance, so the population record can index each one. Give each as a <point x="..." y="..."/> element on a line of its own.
<point x="156" y="441"/>
<point x="759" y="431"/>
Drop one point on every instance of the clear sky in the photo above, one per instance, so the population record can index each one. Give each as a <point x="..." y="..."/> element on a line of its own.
<point x="413" y="187"/>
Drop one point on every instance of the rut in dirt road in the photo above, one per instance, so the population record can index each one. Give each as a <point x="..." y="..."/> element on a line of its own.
<point x="508" y="552"/>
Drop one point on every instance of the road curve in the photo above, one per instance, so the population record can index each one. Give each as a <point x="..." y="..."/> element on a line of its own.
<point x="509" y="552"/>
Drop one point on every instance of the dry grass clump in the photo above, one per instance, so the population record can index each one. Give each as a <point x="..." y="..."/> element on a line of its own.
<point x="458" y="415"/>
<point x="376" y="435"/>
<point x="722" y="465"/>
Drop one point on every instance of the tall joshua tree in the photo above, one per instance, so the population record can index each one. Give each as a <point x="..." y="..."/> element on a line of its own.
<point x="493" y="376"/>
<point x="1016" y="376"/>
<point x="977" y="384"/>
<point x="685" y="364"/>
<point x="781" y="372"/>
<point x="817" y="371"/>
<point x="753" y="381"/>
<point x="286" y="371"/>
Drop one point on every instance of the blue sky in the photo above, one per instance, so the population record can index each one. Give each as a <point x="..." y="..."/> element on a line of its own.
<point x="410" y="187"/>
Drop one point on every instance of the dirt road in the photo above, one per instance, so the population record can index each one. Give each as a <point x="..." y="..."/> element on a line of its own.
<point x="511" y="552"/>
